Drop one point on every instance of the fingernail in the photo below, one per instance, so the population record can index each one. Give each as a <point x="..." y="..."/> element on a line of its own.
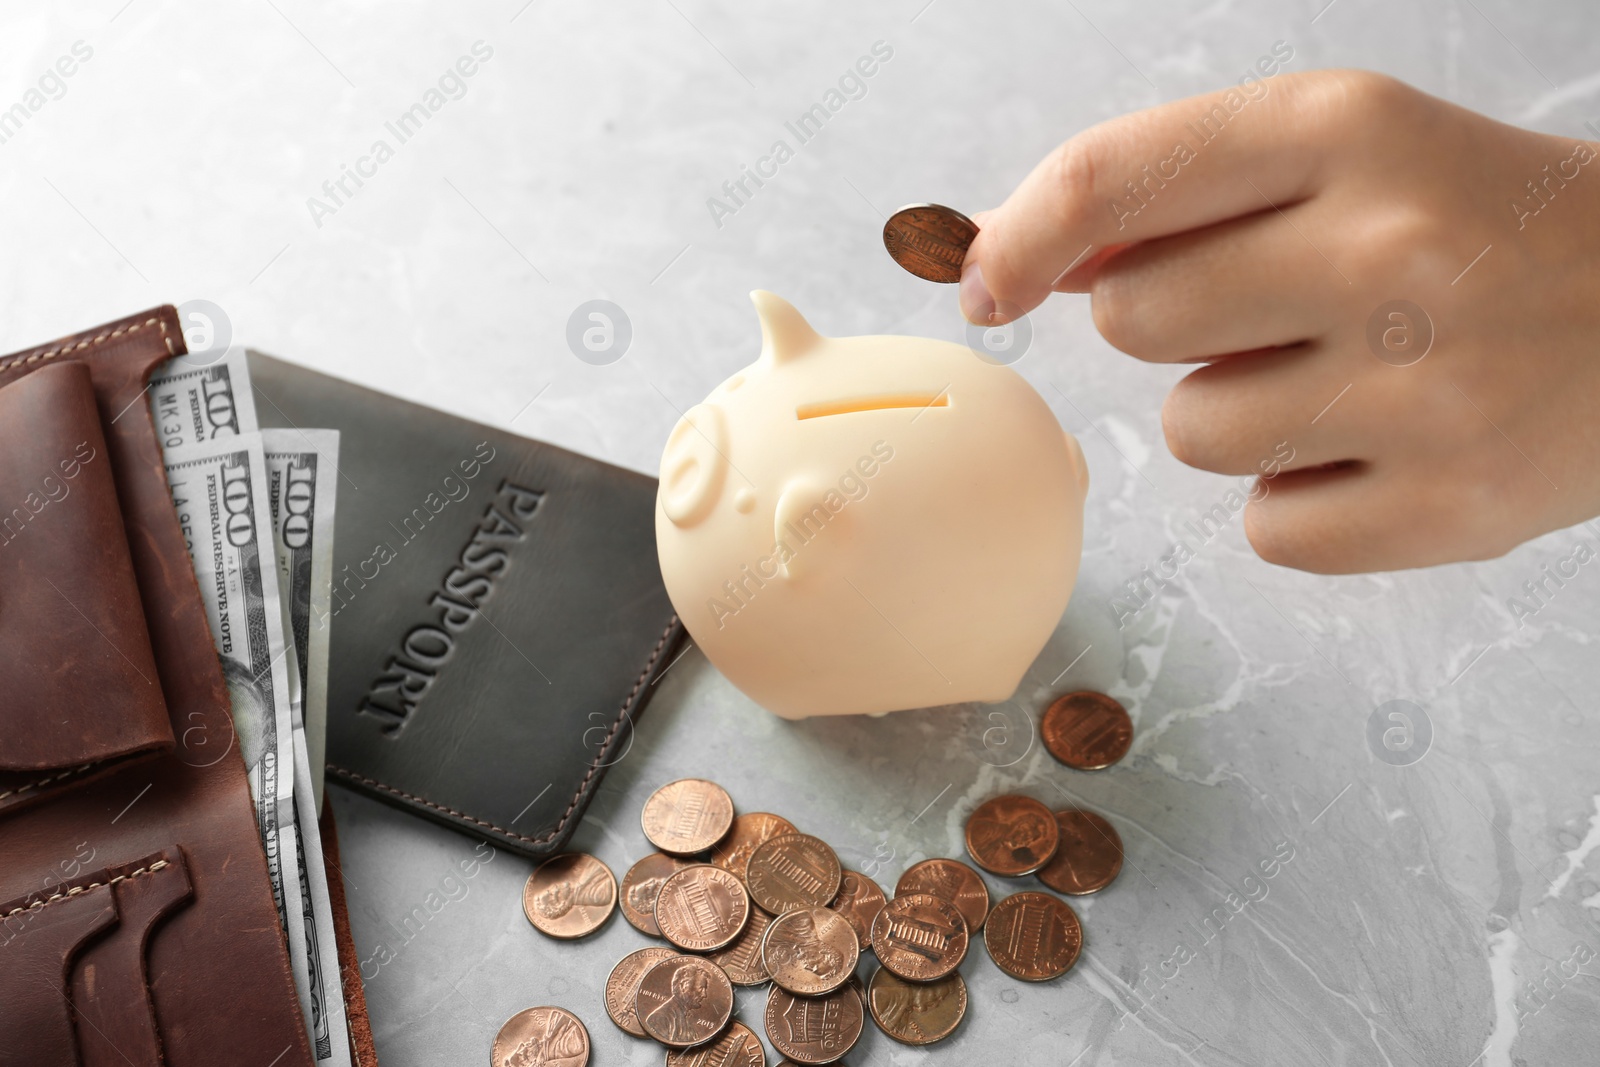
<point x="976" y="303"/>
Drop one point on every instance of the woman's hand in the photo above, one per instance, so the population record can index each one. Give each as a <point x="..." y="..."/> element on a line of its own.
<point x="1405" y="292"/>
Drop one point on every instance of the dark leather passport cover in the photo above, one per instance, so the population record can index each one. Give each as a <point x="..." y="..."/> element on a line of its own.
<point x="498" y="615"/>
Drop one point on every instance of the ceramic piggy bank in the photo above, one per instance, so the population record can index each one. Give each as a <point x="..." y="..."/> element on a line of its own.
<point x="865" y="524"/>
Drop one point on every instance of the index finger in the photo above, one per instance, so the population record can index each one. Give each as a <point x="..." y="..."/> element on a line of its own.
<point x="1152" y="173"/>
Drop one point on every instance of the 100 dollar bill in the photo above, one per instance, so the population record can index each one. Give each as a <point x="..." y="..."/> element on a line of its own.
<point x="203" y="407"/>
<point x="300" y="492"/>
<point x="323" y="987"/>
<point x="220" y="491"/>
<point x="302" y="479"/>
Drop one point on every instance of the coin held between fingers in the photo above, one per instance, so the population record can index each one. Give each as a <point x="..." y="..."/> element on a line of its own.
<point x="930" y="241"/>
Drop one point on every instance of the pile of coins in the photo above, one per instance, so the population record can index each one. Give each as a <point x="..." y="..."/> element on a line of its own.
<point x="748" y="900"/>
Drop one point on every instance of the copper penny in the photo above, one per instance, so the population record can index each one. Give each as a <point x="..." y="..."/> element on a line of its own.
<point x="701" y="908"/>
<point x="750" y="831"/>
<point x="570" y="895"/>
<point x="641" y="885"/>
<point x="810" y="951"/>
<point x="1012" y="835"/>
<point x="1089" y="857"/>
<point x="949" y="880"/>
<point x="929" y="240"/>
<point x="742" y="960"/>
<point x="916" y="1013"/>
<point x="737" y="1046"/>
<point x="1033" y="936"/>
<point x="1089" y="731"/>
<point x="684" y="1001"/>
<point x="859" y="901"/>
<point x="541" y="1035"/>
<point x="815" y="1029"/>
<point x="793" y="871"/>
<point x="687" y="816"/>
<point x="622" y="988"/>
<point x="920" y="937"/>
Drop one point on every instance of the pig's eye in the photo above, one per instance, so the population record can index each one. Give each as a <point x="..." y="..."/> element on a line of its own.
<point x="694" y="465"/>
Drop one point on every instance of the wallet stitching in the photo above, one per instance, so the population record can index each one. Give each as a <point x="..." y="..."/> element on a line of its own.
<point x="90" y="342"/>
<point x="594" y="766"/>
<point x="75" y="890"/>
<point x="51" y="778"/>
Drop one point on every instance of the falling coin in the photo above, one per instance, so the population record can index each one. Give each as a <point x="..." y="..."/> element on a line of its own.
<point x="859" y="901"/>
<point x="687" y="816"/>
<point x="916" y="1013"/>
<point x="949" y="880"/>
<point x="622" y="987"/>
<point x="1089" y="731"/>
<point x="741" y="961"/>
<point x="919" y="937"/>
<point x="810" y="951"/>
<point x="929" y="240"/>
<point x="793" y="871"/>
<point x="640" y="887"/>
<point x="1089" y="856"/>
<point x="541" y="1035"/>
<point x="1033" y="936"/>
<point x="701" y="908"/>
<point x="1012" y="835"/>
<point x="750" y="831"/>
<point x="570" y="895"/>
<point x="684" y="1001"/>
<point x="815" y="1029"/>
<point x="737" y="1046"/>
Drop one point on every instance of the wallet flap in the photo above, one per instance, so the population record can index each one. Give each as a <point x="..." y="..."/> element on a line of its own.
<point x="79" y="680"/>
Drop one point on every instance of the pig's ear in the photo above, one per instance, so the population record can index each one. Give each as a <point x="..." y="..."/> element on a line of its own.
<point x="799" y="502"/>
<point x="785" y="334"/>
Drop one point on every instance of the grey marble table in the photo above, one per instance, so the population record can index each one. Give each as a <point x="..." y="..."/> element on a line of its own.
<point x="1421" y="913"/>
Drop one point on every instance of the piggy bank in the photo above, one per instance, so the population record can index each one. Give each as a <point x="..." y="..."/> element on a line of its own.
<point x="866" y="524"/>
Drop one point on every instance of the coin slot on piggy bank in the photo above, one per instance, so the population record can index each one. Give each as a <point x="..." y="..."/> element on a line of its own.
<point x="867" y="524"/>
<point x="876" y="403"/>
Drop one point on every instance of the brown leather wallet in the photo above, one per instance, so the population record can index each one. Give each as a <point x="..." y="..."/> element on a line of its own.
<point x="138" y="925"/>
